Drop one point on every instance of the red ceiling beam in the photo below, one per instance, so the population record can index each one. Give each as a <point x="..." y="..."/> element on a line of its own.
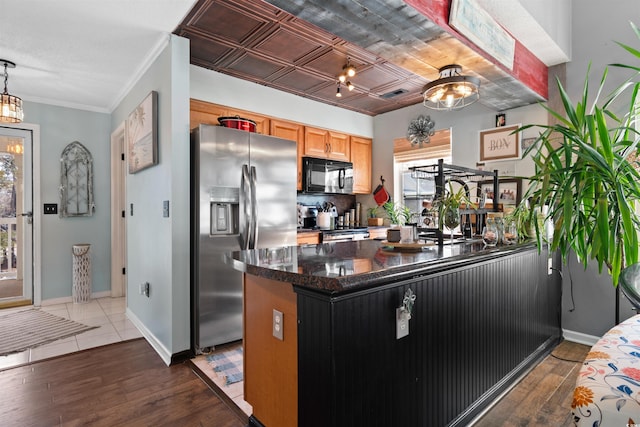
<point x="527" y="68"/>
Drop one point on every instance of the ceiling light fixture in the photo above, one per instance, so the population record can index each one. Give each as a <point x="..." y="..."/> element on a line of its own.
<point x="10" y="105"/>
<point x="350" y="85"/>
<point x="338" y="94"/>
<point x="348" y="71"/>
<point x="452" y="91"/>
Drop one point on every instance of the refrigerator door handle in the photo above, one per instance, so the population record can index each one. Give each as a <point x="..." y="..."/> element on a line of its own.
<point x="254" y="209"/>
<point x="245" y="223"/>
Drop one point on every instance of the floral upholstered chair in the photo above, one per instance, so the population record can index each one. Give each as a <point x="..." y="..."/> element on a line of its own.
<point x="607" y="390"/>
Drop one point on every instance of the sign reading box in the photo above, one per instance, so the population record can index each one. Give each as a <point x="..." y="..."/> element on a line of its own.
<point x="501" y="143"/>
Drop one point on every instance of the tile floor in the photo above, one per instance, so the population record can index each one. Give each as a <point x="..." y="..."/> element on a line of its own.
<point x="106" y="313"/>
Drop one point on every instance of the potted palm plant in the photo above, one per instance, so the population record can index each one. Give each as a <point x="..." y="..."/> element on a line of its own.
<point x="585" y="179"/>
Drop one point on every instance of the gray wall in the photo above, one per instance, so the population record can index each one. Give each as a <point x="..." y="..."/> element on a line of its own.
<point x="593" y="293"/>
<point x="158" y="247"/>
<point x="60" y="126"/>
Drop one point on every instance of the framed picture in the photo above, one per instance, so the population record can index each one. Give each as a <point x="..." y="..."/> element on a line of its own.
<point x="509" y="191"/>
<point x="141" y="131"/>
<point x="526" y="143"/>
<point x="501" y="143"/>
<point x="501" y="120"/>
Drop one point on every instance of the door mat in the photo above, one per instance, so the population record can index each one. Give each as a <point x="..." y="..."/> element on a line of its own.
<point x="26" y="329"/>
<point x="228" y="364"/>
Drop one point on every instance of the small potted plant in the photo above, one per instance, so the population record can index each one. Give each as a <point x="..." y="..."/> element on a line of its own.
<point x="372" y="217"/>
<point x="398" y="216"/>
<point x="448" y="207"/>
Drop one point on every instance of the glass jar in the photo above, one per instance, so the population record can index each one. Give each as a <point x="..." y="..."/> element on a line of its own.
<point x="490" y="233"/>
<point x="510" y="236"/>
<point x="500" y="229"/>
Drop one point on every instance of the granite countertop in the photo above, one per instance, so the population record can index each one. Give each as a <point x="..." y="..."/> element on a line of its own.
<point x="348" y="266"/>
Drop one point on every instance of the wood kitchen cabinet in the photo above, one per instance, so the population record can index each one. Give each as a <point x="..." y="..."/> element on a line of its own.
<point x="205" y="113"/>
<point x="294" y="132"/>
<point x="202" y="112"/>
<point x="325" y="144"/>
<point x="308" y="238"/>
<point x="361" y="159"/>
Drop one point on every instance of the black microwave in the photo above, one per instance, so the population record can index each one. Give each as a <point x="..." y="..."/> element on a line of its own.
<point x="326" y="176"/>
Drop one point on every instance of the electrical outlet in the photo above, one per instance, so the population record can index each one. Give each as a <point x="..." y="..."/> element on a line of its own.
<point x="144" y="289"/>
<point x="549" y="266"/>
<point x="165" y="208"/>
<point x="402" y="323"/>
<point x="278" y="324"/>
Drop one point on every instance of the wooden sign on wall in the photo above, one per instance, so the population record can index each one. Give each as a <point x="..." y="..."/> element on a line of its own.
<point x="500" y="143"/>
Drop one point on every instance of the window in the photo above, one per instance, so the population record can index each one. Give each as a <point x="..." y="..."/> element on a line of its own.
<point x="414" y="191"/>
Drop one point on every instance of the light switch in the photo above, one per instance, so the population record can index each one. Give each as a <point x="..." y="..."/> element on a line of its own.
<point x="278" y="324"/>
<point x="50" y="208"/>
<point x="165" y="209"/>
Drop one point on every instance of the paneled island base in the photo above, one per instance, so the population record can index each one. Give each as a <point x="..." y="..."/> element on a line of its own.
<point x="481" y="319"/>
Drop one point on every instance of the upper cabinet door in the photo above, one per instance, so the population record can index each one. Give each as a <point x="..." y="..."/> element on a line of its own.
<point x="316" y="142"/>
<point x="339" y="146"/>
<point x="205" y="113"/>
<point x="294" y="132"/>
<point x="325" y="144"/>
<point x="361" y="159"/>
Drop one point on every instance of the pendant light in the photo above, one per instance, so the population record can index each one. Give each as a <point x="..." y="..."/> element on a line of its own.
<point x="10" y="105"/>
<point x="452" y="91"/>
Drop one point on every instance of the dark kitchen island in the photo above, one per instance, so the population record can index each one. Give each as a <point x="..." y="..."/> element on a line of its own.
<point x="481" y="319"/>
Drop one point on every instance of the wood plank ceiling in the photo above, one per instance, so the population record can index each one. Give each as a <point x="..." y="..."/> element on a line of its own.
<point x="395" y="49"/>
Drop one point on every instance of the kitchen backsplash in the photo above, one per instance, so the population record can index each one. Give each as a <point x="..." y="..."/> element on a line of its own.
<point x="343" y="202"/>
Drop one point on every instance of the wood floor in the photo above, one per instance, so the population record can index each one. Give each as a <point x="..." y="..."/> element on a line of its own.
<point x="543" y="397"/>
<point x="127" y="384"/>
<point x="124" y="384"/>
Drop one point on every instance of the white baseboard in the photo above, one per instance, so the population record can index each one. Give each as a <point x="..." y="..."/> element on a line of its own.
<point x="162" y="351"/>
<point x="64" y="300"/>
<point x="579" y="337"/>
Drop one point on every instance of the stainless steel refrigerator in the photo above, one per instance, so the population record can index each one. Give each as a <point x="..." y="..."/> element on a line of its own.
<point x="243" y="197"/>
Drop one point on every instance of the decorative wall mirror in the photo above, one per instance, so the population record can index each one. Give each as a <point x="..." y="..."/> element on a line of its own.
<point x="76" y="181"/>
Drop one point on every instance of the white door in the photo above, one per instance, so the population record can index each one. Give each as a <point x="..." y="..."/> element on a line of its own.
<point x="16" y="217"/>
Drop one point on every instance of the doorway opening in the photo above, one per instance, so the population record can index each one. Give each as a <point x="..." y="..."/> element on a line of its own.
<point x="16" y="218"/>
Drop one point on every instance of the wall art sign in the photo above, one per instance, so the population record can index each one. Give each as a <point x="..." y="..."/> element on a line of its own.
<point x="76" y="181"/>
<point x="501" y="143"/>
<point x="475" y="23"/>
<point x="142" y="134"/>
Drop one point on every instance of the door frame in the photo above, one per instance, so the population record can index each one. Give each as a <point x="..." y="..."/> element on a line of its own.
<point x="36" y="203"/>
<point x="118" y="217"/>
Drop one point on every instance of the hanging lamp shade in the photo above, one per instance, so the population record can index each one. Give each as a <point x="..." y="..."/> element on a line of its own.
<point x="452" y="91"/>
<point x="10" y="105"/>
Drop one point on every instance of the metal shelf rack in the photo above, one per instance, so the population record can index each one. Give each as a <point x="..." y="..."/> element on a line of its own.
<point x="443" y="173"/>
